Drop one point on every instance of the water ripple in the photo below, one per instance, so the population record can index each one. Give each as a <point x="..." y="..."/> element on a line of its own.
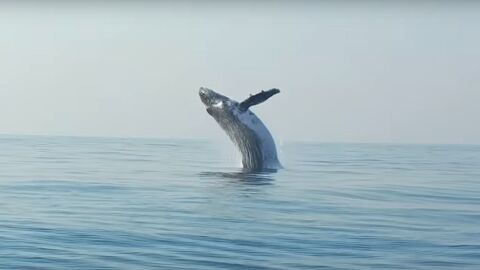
<point x="101" y="203"/>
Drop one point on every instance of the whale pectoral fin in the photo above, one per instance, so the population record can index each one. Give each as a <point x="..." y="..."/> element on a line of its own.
<point x="257" y="98"/>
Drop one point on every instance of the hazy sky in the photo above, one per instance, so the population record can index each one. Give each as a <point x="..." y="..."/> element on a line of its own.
<point x="349" y="72"/>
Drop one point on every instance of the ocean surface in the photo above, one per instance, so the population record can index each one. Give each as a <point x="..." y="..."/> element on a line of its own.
<point x="112" y="203"/>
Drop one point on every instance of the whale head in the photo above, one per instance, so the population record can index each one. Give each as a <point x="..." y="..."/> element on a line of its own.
<point x="217" y="105"/>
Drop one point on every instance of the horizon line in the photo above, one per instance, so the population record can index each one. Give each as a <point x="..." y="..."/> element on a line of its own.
<point x="278" y="142"/>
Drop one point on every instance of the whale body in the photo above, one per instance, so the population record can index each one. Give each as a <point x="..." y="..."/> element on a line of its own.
<point x="244" y="128"/>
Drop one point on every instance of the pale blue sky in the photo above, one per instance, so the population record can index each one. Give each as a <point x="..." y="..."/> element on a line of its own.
<point x="350" y="72"/>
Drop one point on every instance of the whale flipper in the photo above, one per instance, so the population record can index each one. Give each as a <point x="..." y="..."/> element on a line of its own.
<point x="257" y="99"/>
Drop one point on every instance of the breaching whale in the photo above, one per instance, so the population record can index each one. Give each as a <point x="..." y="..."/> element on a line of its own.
<point x="244" y="128"/>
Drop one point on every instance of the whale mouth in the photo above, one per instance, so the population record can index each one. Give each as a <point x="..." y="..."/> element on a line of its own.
<point x="203" y="91"/>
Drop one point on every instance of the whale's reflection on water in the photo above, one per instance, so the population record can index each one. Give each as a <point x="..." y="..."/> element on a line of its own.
<point x="262" y="177"/>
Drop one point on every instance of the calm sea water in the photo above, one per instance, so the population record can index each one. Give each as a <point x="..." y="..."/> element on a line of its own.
<point x="101" y="203"/>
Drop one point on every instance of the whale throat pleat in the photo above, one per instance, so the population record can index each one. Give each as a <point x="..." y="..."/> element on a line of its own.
<point x="247" y="143"/>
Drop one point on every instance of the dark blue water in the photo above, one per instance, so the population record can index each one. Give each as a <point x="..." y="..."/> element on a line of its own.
<point x="101" y="203"/>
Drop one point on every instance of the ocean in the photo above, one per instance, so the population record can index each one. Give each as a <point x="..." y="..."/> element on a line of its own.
<point x="119" y="203"/>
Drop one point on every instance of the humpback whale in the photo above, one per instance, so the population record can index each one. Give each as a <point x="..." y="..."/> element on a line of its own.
<point x="244" y="128"/>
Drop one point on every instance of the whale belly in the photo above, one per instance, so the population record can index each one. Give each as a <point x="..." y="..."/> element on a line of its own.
<point x="253" y="140"/>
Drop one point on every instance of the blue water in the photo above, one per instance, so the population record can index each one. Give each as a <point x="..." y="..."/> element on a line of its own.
<point x="102" y="203"/>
